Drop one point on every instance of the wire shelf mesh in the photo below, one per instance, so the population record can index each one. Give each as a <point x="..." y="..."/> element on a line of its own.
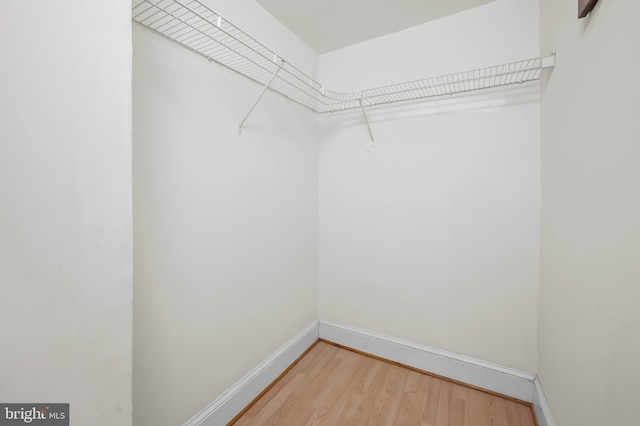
<point x="203" y="31"/>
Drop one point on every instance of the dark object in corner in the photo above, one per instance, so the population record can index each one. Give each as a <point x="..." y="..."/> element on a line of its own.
<point x="585" y="6"/>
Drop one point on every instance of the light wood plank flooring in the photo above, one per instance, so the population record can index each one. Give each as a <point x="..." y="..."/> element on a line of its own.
<point x="331" y="385"/>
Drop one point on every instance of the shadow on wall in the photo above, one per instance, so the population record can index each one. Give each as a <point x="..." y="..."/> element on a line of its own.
<point x="488" y="100"/>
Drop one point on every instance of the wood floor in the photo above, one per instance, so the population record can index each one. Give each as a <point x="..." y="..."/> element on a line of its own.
<point x="331" y="385"/>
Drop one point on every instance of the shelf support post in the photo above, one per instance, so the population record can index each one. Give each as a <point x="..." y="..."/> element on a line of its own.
<point x="366" y="120"/>
<point x="264" y="90"/>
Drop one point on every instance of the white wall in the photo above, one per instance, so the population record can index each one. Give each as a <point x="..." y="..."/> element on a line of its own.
<point x="65" y="207"/>
<point x="434" y="235"/>
<point x="590" y="269"/>
<point x="225" y="241"/>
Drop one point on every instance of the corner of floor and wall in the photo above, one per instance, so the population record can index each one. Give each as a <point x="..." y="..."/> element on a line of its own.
<point x="492" y="238"/>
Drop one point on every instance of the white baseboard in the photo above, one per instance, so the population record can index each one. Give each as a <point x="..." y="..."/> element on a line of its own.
<point x="496" y="378"/>
<point x="237" y="397"/>
<point x="543" y="413"/>
<point x="493" y="377"/>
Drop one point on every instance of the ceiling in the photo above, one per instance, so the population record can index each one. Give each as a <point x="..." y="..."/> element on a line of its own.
<point x="327" y="25"/>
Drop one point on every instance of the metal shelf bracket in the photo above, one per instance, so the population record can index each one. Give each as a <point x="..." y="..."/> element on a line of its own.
<point x="264" y="90"/>
<point x="366" y="120"/>
<point x="549" y="61"/>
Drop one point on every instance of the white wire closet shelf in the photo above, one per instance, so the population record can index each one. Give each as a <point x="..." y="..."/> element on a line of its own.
<point x="203" y="31"/>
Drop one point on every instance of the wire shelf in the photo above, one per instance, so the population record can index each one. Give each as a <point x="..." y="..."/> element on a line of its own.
<point x="203" y="31"/>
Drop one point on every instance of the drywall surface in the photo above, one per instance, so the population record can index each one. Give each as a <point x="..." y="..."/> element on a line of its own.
<point x="65" y="207"/>
<point x="590" y="273"/>
<point x="225" y="242"/>
<point x="433" y="235"/>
